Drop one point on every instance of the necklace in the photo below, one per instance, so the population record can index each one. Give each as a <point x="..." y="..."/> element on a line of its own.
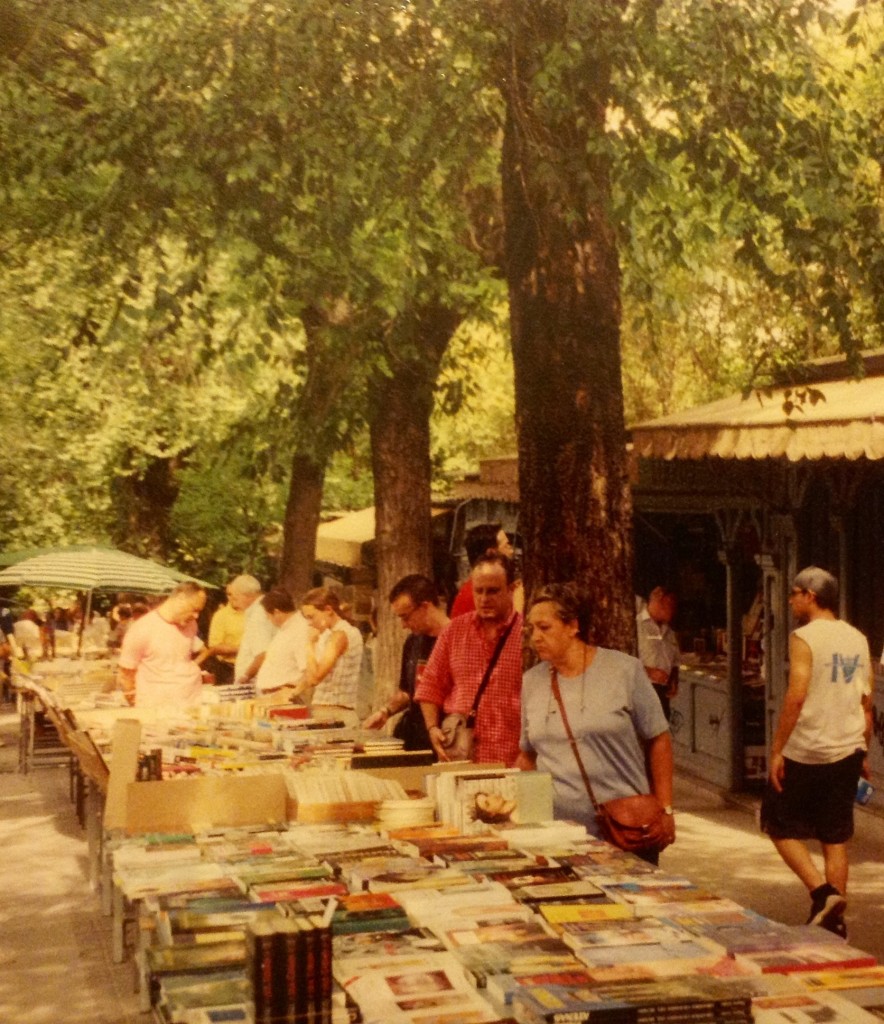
<point x="552" y="705"/>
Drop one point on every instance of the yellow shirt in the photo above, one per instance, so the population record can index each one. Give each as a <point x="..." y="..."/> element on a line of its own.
<point x="226" y="628"/>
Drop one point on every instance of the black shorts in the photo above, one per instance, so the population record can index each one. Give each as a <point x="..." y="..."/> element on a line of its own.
<point x="816" y="801"/>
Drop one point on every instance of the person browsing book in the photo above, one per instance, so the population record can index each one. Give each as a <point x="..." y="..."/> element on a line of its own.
<point x="281" y="668"/>
<point x="334" y="657"/>
<point x="612" y="711"/>
<point x="414" y="600"/>
<point x="157" y="667"/>
<point x="462" y="654"/>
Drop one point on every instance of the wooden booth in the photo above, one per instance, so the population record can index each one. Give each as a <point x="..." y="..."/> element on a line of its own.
<point x="731" y="500"/>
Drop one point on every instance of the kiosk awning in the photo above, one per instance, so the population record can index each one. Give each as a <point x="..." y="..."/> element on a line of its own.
<point x="847" y="423"/>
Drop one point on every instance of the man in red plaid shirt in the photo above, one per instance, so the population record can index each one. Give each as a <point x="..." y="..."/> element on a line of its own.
<point x="460" y="657"/>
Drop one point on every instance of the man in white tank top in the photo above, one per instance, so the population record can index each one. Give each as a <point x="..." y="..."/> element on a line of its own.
<point x="820" y="748"/>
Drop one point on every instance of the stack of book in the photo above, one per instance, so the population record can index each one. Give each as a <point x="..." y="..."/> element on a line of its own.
<point x="290" y="968"/>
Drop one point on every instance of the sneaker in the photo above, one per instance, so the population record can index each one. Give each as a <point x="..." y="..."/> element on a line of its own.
<point x="827" y="905"/>
<point x="838" y="926"/>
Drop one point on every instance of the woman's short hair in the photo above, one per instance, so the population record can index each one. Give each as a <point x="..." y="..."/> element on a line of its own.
<point x="325" y="597"/>
<point x="571" y="603"/>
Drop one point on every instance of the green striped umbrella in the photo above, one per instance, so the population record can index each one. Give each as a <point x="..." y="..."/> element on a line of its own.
<point x="93" y="569"/>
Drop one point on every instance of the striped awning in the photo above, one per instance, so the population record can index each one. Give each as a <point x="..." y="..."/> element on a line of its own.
<point x="847" y="423"/>
<point x="93" y="569"/>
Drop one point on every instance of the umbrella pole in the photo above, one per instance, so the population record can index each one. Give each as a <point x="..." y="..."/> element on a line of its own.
<point x="87" y="611"/>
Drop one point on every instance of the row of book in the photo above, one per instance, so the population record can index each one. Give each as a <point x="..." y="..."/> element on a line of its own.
<point x="217" y="745"/>
<point x="428" y="925"/>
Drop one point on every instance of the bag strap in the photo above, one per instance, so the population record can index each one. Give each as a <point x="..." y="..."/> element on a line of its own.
<point x="557" y="693"/>
<point x="489" y="668"/>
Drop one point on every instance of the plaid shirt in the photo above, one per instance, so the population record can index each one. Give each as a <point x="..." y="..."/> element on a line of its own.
<point x="454" y="672"/>
<point x="341" y="686"/>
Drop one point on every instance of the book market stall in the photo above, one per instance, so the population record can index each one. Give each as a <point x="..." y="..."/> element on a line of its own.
<point x="253" y="872"/>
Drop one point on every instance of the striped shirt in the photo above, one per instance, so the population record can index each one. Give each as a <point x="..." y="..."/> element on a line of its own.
<point x="453" y="675"/>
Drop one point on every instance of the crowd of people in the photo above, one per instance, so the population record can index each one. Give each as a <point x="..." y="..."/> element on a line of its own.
<point x="595" y="719"/>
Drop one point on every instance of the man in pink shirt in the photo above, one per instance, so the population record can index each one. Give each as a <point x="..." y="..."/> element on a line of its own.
<point x="156" y="667"/>
<point x="455" y="669"/>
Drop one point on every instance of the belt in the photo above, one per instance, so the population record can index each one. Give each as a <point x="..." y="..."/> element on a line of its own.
<point x="276" y="689"/>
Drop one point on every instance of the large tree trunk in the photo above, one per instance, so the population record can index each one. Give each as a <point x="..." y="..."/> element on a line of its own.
<point x="400" y="445"/>
<point x="300" y="524"/>
<point x="564" y="283"/>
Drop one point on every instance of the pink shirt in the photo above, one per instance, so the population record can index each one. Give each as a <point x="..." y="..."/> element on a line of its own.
<point x="162" y="655"/>
<point x="454" y="672"/>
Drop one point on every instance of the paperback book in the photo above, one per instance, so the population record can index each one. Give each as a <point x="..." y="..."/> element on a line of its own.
<point x="809" y="1008"/>
<point x="819" y="956"/>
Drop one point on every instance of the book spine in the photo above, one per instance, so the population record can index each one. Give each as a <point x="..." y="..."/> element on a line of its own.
<point x="288" y="987"/>
<point x="324" y="972"/>
<point x="305" y="1006"/>
<point x="260" y="948"/>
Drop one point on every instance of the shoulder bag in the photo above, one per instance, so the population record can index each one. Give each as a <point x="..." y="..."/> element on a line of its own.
<point x="634" y="823"/>
<point x="459" y="730"/>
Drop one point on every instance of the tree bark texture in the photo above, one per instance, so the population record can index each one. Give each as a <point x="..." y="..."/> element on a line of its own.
<point x="400" y="445"/>
<point x="299" y="526"/>
<point x="564" y="285"/>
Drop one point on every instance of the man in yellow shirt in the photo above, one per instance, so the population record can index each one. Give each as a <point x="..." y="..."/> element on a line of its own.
<point x="226" y="628"/>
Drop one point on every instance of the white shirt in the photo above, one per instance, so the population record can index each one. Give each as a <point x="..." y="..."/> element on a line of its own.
<point x="256" y="636"/>
<point x="832" y="722"/>
<point x="286" y="658"/>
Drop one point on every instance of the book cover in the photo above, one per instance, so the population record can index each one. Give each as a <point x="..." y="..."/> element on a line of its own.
<point x="541" y="835"/>
<point x="436" y="990"/>
<point x="810" y="957"/>
<point x="659" y="957"/>
<point x="431" y="877"/>
<point x="483" y="798"/>
<point x="858" y="977"/>
<point x="480" y="841"/>
<point x="505" y="933"/>
<point x="687" y="906"/>
<point x="297" y="890"/>
<point x="630" y="932"/>
<point x="383" y="945"/>
<point x="809" y="1008"/>
<point x="580" y="891"/>
<point x="546" y="1004"/>
<point x="563" y="913"/>
<point x="199" y="992"/>
<point x="161" y="959"/>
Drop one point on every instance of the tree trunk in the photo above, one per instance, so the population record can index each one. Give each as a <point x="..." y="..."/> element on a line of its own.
<point x="299" y="527"/>
<point x="145" y="500"/>
<point x="564" y="284"/>
<point x="400" y="445"/>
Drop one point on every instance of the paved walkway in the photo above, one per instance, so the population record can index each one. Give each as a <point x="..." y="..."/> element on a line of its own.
<point x="55" y="961"/>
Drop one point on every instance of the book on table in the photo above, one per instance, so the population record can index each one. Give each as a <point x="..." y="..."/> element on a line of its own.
<point x="809" y="1008"/>
<point x="818" y="956"/>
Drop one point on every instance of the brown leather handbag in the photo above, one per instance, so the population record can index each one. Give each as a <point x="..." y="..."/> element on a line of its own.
<point x="634" y="823"/>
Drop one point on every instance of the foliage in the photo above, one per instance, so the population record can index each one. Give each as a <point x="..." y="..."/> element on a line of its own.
<point x="221" y="219"/>
<point x="738" y="129"/>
